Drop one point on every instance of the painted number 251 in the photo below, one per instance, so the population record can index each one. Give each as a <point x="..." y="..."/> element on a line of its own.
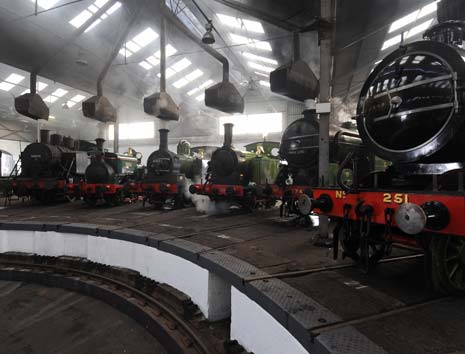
<point x="397" y="198"/>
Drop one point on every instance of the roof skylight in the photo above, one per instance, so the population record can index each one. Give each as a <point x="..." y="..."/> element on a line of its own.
<point x="39" y="87"/>
<point x="419" y="29"/>
<point x="140" y="41"/>
<point x="45" y="4"/>
<point x="86" y="14"/>
<point x="262" y="45"/>
<point x="248" y="25"/>
<point x="6" y="86"/>
<point x="59" y="92"/>
<point x="177" y="67"/>
<point x="265" y="83"/>
<point x="414" y="16"/>
<point x="188" y="78"/>
<point x="198" y="88"/>
<point x="261" y="74"/>
<point x="390" y="42"/>
<point x="200" y="97"/>
<point x="154" y="59"/>
<point x="11" y="81"/>
<point x="259" y="58"/>
<point x="260" y="67"/>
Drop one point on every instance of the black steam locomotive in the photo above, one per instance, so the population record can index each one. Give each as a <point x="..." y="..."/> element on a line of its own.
<point x="411" y="112"/>
<point x="241" y="177"/>
<point x="46" y="168"/>
<point x="300" y="150"/>
<point x="110" y="178"/>
<point x="167" y="174"/>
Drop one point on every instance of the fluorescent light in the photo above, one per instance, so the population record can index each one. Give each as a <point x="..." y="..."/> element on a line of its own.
<point x="200" y="97"/>
<point x="5" y="86"/>
<point x="261" y="74"/>
<point x="59" y="92"/>
<point x="50" y="99"/>
<point x="260" y="67"/>
<point x="265" y="83"/>
<point x="146" y="37"/>
<point x="181" y="65"/>
<point x="259" y="58"/>
<point x="390" y="42"/>
<point x="81" y="18"/>
<point x="263" y="45"/>
<point x="78" y="98"/>
<point x="180" y="83"/>
<point x="251" y="26"/>
<point x="14" y="79"/>
<point x="194" y="75"/>
<point x="145" y="65"/>
<point x="45" y="4"/>
<point x="419" y="29"/>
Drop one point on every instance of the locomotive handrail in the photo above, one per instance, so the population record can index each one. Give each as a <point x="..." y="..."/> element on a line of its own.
<point x="414" y="84"/>
<point x="417" y="110"/>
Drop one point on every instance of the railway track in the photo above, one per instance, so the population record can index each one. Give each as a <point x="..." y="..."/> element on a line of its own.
<point x="174" y="332"/>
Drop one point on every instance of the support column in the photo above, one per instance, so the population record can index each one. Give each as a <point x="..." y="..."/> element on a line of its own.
<point x="116" y="136"/>
<point x="326" y="65"/>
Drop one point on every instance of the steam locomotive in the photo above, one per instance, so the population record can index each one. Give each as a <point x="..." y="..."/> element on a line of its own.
<point x="241" y="177"/>
<point x="411" y="112"/>
<point x="110" y="178"/>
<point x="299" y="149"/>
<point x="166" y="180"/>
<point x="47" y="167"/>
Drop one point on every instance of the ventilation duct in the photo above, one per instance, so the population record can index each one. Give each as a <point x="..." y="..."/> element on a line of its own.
<point x="160" y="104"/>
<point x="223" y="96"/>
<point x="295" y="80"/>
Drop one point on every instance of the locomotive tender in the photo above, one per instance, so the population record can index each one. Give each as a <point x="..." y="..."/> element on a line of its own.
<point x="411" y="112"/>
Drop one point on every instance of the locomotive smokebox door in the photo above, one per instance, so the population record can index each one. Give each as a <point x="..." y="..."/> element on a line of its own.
<point x="225" y="98"/>
<point x="99" y="108"/>
<point x="162" y="106"/>
<point x="32" y="106"/>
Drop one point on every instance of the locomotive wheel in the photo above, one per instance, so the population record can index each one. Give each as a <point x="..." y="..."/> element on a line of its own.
<point x="366" y="252"/>
<point x="448" y="263"/>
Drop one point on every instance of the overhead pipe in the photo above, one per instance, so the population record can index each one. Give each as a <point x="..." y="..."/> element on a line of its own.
<point x="182" y="27"/>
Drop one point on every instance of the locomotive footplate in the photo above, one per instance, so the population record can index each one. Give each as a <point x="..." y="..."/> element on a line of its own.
<point x="218" y="190"/>
<point x="160" y="188"/>
<point x="46" y="184"/>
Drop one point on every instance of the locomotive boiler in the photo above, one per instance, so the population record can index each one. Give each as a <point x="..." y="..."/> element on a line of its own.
<point x="299" y="150"/>
<point x="47" y="166"/>
<point x="411" y="112"/>
<point x="242" y="177"/>
<point x="110" y="177"/>
<point x="169" y="174"/>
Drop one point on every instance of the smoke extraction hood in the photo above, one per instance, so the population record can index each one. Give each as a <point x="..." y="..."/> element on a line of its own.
<point x="295" y="80"/>
<point x="99" y="108"/>
<point x="31" y="105"/>
<point x="224" y="97"/>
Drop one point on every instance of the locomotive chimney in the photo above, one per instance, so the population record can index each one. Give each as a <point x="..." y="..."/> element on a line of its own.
<point x="45" y="136"/>
<point x="228" y="134"/>
<point x="100" y="142"/>
<point x="68" y="142"/>
<point x="56" y="139"/>
<point x="163" y="139"/>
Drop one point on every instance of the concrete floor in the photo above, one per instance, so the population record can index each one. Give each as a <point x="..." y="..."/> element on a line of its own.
<point x="36" y="319"/>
